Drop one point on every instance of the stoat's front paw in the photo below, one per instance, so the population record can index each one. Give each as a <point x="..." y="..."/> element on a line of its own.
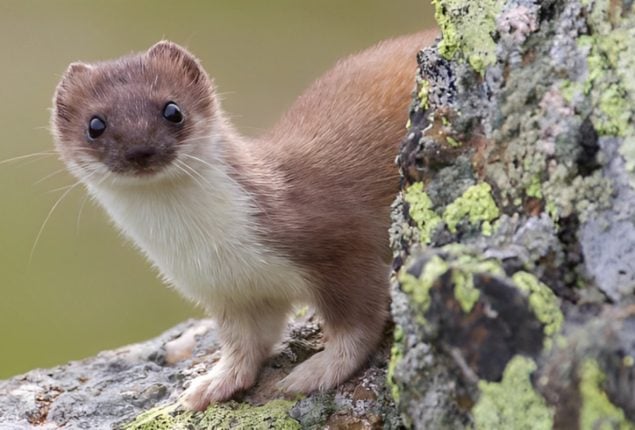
<point x="217" y="386"/>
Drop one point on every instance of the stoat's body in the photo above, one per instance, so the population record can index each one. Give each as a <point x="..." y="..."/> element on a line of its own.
<point x="248" y="227"/>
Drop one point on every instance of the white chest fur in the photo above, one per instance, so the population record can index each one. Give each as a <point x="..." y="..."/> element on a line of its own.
<point x="201" y="237"/>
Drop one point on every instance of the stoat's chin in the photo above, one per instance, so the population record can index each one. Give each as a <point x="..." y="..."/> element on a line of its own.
<point x="166" y="173"/>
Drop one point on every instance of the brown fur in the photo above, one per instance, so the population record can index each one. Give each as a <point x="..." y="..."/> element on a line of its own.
<point x="325" y="176"/>
<point x="321" y="181"/>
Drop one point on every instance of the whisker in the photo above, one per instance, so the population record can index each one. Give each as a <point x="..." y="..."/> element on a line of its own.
<point x="179" y="165"/>
<point x="79" y="213"/>
<point x="24" y="157"/>
<point x="193" y="139"/>
<point x="254" y="200"/>
<point x="48" y="216"/>
<point x="50" y="175"/>
<point x="225" y="93"/>
<point x="200" y="160"/>
<point x="195" y="172"/>
<point x="65" y="187"/>
<point x="81" y="207"/>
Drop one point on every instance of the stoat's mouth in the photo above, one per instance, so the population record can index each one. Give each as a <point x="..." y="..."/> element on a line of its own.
<point x="140" y="161"/>
<point x="146" y="171"/>
<point x="146" y="176"/>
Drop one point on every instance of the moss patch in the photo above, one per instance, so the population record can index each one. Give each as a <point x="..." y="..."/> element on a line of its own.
<point x="231" y="415"/>
<point x="421" y="212"/>
<point x="476" y="204"/>
<point x="597" y="410"/>
<point x="468" y="30"/>
<point x="512" y="403"/>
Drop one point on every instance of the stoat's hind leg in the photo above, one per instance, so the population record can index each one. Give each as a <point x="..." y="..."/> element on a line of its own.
<point x="355" y="313"/>
<point x="247" y="337"/>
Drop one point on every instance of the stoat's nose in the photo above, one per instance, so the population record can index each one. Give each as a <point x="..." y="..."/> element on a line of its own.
<point x="141" y="155"/>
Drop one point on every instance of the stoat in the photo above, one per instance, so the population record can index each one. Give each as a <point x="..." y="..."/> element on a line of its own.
<point x="247" y="227"/>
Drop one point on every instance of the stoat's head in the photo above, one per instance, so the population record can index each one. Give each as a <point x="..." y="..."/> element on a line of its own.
<point x="135" y="118"/>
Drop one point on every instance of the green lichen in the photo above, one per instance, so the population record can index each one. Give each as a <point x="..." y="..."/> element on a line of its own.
<point x="421" y="212"/>
<point x="512" y="403"/>
<point x="231" y="415"/>
<point x="464" y="291"/>
<point x="535" y="188"/>
<point x="612" y="114"/>
<point x="597" y="411"/>
<point x="473" y="264"/>
<point x="487" y="229"/>
<point x="571" y="89"/>
<point x="615" y="108"/>
<point x="468" y="30"/>
<point x="422" y="95"/>
<point x="452" y="142"/>
<point x="609" y="81"/>
<point x="543" y="303"/>
<point x="463" y="266"/>
<point x="418" y="288"/>
<point x="396" y="353"/>
<point x="476" y="204"/>
<point x="463" y="270"/>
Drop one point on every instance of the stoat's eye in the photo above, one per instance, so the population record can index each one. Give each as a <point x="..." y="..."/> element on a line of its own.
<point x="172" y="112"/>
<point x="96" y="127"/>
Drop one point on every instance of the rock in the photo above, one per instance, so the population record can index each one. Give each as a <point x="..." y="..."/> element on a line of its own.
<point x="514" y="280"/>
<point x="137" y="386"/>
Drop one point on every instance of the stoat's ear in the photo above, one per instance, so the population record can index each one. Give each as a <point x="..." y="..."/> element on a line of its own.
<point x="71" y="77"/>
<point x="73" y="71"/>
<point x="77" y="68"/>
<point x="179" y="56"/>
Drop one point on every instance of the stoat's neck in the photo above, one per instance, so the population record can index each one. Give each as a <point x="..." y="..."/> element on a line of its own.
<point x="201" y="190"/>
<point x="201" y="231"/>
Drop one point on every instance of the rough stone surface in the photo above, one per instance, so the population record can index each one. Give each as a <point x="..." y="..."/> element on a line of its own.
<point x="137" y="387"/>
<point x="513" y="304"/>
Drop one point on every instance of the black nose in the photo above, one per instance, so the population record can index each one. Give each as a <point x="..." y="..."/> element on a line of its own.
<point x="141" y="155"/>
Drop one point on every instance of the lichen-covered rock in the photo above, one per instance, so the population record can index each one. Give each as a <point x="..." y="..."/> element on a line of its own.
<point x="514" y="235"/>
<point x="137" y="387"/>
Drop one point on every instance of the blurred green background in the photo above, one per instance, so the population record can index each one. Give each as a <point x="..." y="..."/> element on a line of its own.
<point x="85" y="289"/>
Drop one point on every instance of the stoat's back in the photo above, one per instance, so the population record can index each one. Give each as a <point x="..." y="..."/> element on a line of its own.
<point x="333" y="156"/>
<point x="347" y="125"/>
